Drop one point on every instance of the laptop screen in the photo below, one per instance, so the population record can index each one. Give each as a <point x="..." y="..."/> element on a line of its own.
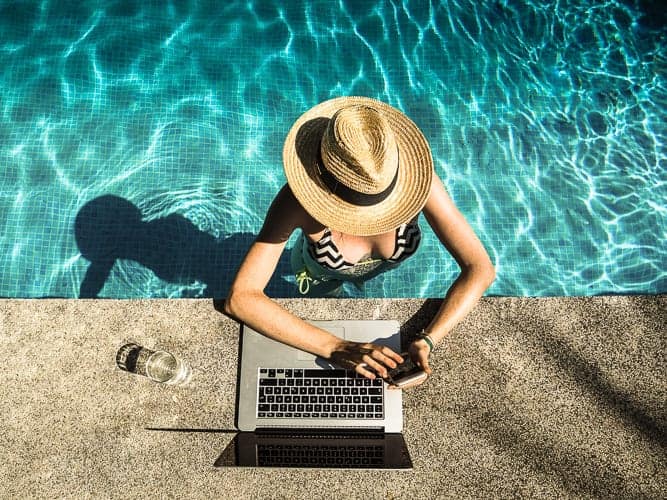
<point x="306" y="449"/>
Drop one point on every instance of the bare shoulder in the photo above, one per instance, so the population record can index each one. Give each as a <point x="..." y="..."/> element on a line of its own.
<point x="284" y="216"/>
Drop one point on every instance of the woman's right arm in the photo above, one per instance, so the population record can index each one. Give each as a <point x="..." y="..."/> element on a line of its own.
<point x="248" y="303"/>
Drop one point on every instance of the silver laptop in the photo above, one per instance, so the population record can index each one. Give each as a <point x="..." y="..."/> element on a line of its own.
<point x="298" y="410"/>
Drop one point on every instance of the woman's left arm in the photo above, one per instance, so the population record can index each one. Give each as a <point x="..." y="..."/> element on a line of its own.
<point x="477" y="271"/>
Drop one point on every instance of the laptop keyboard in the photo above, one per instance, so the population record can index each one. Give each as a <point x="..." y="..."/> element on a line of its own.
<point x="317" y="393"/>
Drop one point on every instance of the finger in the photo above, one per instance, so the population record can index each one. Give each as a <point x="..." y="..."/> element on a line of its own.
<point x="385" y="359"/>
<point x="393" y="355"/>
<point x="423" y="363"/>
<point x="379" y="368"/>
<point x="362" y="369"/>
<point x="420" y="358"/>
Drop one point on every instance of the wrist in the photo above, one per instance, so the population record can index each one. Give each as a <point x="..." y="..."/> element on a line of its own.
<point x="333" y="345"/>
<point x="426" y="337"/>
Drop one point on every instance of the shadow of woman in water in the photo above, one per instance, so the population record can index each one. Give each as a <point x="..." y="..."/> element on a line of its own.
<point x="110" y="228"/>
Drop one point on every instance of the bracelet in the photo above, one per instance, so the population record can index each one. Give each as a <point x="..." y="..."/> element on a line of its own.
<point x="426" y="338"/>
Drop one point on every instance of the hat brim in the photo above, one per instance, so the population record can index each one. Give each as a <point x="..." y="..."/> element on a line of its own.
<point x="413" y="183"/>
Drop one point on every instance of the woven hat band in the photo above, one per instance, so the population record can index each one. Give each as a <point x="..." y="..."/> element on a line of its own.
<point x="350" y="195"/>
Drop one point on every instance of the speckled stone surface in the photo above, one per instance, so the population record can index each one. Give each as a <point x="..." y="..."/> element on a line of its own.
<point x="551" y="397"/>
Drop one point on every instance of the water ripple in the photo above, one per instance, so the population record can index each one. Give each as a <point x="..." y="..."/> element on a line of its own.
<point x="546" y="121"/>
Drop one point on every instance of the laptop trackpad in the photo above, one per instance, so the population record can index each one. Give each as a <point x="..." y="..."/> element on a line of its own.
<point x="306" y="356"/>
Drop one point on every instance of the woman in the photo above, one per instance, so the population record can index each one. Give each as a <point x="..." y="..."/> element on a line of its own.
<point x="358" y="172"/>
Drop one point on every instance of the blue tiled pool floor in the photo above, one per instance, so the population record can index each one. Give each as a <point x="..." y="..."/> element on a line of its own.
<point x="155" y="130"/>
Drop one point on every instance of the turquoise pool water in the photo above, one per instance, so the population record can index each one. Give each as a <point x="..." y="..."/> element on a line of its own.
<point x="140" y="142"/>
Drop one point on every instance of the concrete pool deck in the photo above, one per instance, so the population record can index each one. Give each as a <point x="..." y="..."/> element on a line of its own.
<point x="548" y="397"/>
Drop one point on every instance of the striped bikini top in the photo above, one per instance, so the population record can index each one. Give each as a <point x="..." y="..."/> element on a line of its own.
<point x="326" y="253"/>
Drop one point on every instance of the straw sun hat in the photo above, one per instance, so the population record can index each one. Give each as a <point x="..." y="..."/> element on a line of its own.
<point x="358" y="165"/>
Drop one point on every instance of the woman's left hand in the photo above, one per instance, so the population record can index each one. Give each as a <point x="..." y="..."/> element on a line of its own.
<point x="419" y="351"/>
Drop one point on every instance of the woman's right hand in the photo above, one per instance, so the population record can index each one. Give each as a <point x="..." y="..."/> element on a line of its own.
<point x="367" y="359"/>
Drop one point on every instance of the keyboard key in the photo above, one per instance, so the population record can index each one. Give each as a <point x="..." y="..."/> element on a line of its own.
<point x="268" y="381"/>
<point x="336" y="373"/>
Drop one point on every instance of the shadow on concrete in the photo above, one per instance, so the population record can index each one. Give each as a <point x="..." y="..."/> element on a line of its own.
<point x="109" y="228"/>
<point x="418" y="321"/>
<point x="575" y="463"/>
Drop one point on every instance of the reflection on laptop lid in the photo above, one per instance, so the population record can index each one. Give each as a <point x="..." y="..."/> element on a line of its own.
<point x="297" y="410"/>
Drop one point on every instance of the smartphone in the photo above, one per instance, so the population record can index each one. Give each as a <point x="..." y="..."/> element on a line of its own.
<point x="406" y="373"/>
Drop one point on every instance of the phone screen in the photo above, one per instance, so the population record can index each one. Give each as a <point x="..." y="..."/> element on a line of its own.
<point x="404" y="371"/>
